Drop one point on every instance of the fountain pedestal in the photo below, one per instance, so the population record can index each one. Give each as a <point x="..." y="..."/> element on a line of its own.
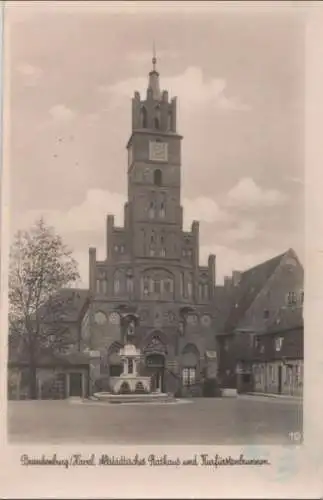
<point x="131" y="387"/>
<point x="129" y="378"/>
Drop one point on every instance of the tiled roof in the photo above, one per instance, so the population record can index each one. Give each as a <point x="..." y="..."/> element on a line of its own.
<point x="287" y="318"/>
<point x="251" y="283"/>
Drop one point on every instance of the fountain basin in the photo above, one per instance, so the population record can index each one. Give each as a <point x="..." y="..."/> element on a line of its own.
<point x="152" y="397"/>
<point x="133" y="382"/>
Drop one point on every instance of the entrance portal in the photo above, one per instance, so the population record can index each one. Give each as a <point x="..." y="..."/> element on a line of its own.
<point x="76" y="384"/>
<point x="155" y="364"/>
<point x="279" y="379"/>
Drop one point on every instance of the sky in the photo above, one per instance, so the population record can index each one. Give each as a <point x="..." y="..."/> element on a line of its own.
<point x="239" y="78"/>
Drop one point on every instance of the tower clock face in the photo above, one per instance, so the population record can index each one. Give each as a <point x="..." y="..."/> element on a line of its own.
<point x="114" y="318"/>
<point x="158" y="151"/>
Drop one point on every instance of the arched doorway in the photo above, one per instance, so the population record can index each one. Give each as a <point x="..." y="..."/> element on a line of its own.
<point x="155" y="365"/>
<point x="155" y="354"/>
<point x="115" y="366"/>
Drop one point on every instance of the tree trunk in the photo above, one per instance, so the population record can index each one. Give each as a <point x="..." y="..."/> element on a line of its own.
<point x="32" y="389"/>
<point x="32" y="382"/>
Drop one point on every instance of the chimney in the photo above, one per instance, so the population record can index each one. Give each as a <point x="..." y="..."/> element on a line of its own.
<point x="236" y="278"/>
<point x="227" y="282"/>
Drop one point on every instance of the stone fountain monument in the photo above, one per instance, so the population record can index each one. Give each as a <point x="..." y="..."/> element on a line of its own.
<point x="129" y="380"/>
<point x="130" y="386"/>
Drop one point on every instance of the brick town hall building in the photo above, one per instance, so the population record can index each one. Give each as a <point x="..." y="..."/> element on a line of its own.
<point x="247" y="334"/>
<point x="152" y="264"/>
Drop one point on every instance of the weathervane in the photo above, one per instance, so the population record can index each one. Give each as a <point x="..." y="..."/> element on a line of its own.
<point x="154" y="56"/>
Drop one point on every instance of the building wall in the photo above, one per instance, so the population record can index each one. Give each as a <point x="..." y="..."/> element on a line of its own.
<point x="152" y="263"/>
<point x="288" y="277"/>
<point x="266" y="377"/>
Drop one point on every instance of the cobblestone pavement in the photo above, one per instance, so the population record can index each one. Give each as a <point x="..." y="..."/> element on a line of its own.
<point x="224" y="421"/>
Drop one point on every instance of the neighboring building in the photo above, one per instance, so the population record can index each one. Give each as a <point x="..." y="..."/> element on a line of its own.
<point x="261" y="344"/>
<point x="152" y="264"/>
<point x="62" y="374"/>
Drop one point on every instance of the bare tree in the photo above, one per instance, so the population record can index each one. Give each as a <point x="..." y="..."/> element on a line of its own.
<point x="40" y="265"/>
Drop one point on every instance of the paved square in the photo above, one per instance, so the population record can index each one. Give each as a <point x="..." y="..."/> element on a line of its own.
<point x="224" y="421"/>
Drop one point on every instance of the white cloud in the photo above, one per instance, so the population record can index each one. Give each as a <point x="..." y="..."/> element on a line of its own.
<point x="202" y="209"/>
<point x="88" y="216"/>
<point x="295" y="180"/>
<point x="228" y="259"/>
<point x="246" y="230"/>
<point x="191" y="85"/>
<point x="60" y="112"/>
<point x="30" y="74"/>
<point x="248" y="194"/>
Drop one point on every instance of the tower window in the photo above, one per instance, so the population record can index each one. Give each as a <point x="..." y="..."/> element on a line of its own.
<point x="190" y="286"/>
<point x="169" y="120"/>
<point x="144" y="117"/>
<point x="158" y="177"/>
<point x="156" y="123"/>
<point x="151" y="210"/>
<point x="129" y="284"/>
<point x="162" y="210"/>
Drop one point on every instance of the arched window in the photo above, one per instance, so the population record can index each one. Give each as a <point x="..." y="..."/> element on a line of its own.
<point x="190" y="285"/>
<point x="114" y="360"/>
<point x="182" y="285"/>
<point x="129" y="283"/>
<point x="143" y="117"/>
<point x="151" y="211"/>
<point x="157" y="117"/>
<point x="158" y="177"/>
<point x="117" y="282"/>
<point x="157" y="284"/>
<point x="162" y="206"/>
<point x="169" y="122"/>
<point x="102" y="284"/>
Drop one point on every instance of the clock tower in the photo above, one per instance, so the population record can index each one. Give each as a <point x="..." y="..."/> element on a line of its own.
<point x="152" y="264"/>
<point x="154" y="174"/>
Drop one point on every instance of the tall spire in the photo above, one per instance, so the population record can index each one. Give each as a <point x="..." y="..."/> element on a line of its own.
<point x="154" y="59"/>
<point x="153" y="84"/>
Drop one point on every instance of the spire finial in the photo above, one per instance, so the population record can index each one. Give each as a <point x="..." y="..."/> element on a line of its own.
<point x="154" y="59"/>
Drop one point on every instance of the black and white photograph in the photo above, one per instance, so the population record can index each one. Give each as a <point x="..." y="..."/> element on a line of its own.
<point x="156" y="276"/>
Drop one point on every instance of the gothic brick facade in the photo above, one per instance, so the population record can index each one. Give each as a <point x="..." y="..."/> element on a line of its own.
<point x="152" y="264"/>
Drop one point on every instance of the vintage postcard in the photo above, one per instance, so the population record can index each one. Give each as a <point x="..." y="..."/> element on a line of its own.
<point x="160" y="250"/>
